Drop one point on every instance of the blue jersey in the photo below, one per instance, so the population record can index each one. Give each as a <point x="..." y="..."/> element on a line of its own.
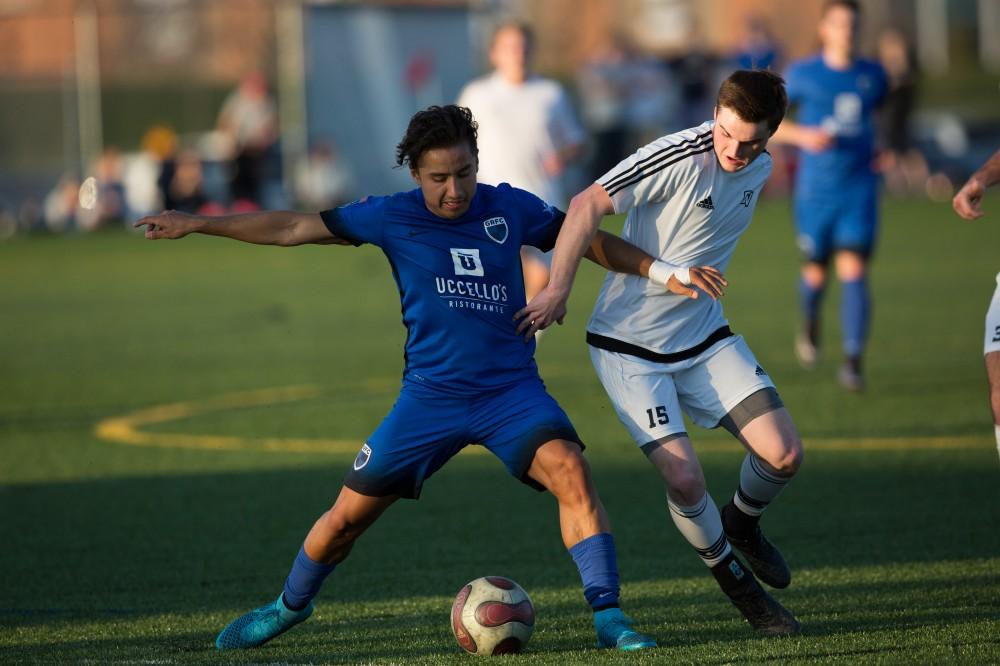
<point x="459" y="281"/>
<point x="843" y="102"/>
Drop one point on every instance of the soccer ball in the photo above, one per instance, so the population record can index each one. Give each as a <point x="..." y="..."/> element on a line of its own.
<point x="492" y="615"/>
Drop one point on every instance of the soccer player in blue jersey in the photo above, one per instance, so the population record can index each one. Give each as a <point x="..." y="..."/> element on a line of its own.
<point x="453" y="247"/>
<point x="836" y="95"/>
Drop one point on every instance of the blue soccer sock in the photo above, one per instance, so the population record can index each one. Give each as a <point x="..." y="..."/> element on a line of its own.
<point x="855" y="307"/>
<point x="304" y="580"/>
<point x="595" y="558"/>
<point x="810" y="299"/>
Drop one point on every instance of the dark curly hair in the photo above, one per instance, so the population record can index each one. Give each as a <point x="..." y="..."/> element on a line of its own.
<point x="755" y="95"/>
<point x="436" y="127"/>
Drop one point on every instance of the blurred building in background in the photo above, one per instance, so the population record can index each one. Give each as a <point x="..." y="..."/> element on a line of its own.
<point x="81" y="77"/>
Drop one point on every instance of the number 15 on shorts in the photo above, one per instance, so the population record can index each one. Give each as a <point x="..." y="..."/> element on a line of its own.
<point x="657" y="417"/>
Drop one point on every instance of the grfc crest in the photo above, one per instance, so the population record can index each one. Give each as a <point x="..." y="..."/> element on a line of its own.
<point x="364" y="455"/>
<point x="496" y="229"/>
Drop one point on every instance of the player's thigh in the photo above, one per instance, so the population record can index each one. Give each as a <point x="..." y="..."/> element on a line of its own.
<point x="856" y="228"/>
<point x="814" y="224"/>
<point x="515" y="422"/>
<point x="643" y="395"/>
<point x="414" y="440"/>
<point x="712" y="389"/>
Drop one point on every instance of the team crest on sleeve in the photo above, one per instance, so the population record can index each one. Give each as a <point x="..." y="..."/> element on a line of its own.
<point x="364" y="455"/>
<point x="496" y="229"/>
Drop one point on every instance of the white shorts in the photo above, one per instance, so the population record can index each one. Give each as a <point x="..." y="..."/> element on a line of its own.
<point x="991" y="343"/>
<point x="651" y="397"/>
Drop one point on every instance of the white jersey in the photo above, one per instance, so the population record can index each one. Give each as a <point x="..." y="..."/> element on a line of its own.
<point x="686" y="210"/>
<point x="519" y="126"/>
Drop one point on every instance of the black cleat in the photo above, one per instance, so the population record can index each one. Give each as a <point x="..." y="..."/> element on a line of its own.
<point x="764" y="558"/>
<point x="764" y="613"/>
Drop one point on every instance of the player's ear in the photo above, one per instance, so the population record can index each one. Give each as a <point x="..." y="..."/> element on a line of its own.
<point x="715" y="113"/>
<point x="415" y="175"/>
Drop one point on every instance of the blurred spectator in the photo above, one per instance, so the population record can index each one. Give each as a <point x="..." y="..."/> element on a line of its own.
<point x="321" y="180"/>
<point x="249" y="118"/>
<point x="653" y="101"/>
<point x="528" y="132"/>
<point x="143" y="194"/>
<point x="184" y="191"/>
<point x="758" y="49"/>
<point x="604" y="88"/>
<point x="101" y="196"/>
<point x="904" y="168"/>
<point x="62" y="204"/>
<point x="695" y="72"/>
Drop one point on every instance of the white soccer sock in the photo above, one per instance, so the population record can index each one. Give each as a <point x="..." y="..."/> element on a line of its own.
<point x="702" y="527"/>
<point x="758" y="487"/>
<point x="997" y="427"/>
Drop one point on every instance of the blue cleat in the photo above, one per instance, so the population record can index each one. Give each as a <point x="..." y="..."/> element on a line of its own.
<point x="259" y="626"/>
<point x="614" y="630"/>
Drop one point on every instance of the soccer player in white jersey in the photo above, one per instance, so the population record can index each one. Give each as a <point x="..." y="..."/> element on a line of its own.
<point x="528" y="132"/>
<point x="967" y="203"/>
<point x="689" y="197"/>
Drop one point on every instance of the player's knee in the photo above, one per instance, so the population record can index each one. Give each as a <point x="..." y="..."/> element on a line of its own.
<point x="341" y="532"/>
<point x="789" y="459"/>
<point x="995" y="400"/>
<point x="686" y="486"/>
<point x="569" y="476"/>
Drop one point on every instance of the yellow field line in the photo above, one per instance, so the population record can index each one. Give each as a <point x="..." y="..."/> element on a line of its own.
<point x="127" y="429"/>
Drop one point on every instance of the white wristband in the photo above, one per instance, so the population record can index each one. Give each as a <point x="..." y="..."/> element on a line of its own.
<point x="660" y="272"/>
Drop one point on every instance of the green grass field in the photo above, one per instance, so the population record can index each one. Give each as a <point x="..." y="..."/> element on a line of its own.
<point x="139" y="545"/>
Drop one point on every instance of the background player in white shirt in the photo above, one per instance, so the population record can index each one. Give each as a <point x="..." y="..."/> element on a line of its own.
<point x="689" y="197"/>
<point x="967" y="204"/>
<point x="528" y="132"/>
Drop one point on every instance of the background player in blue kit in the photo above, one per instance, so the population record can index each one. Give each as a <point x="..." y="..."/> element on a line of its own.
<point x="469" y="378"/>
<point x="836" y="188"/>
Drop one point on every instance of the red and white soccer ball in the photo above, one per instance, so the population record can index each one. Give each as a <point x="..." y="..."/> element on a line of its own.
<point x="492" y="615"/>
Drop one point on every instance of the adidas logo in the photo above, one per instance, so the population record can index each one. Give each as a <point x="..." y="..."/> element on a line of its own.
<point x="706" y="203"/>
<point x="760" y="371"/>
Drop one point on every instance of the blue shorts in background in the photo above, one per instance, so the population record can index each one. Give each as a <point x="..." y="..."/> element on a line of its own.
<point x="427" y="428"/>
<point x="848" y="222"/>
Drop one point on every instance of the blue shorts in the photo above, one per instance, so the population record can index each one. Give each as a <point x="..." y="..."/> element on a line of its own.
<point x="426" y="428"/>
<point x="849" y="222"/>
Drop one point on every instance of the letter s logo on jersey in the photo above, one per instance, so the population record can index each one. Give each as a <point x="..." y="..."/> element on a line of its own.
<point x="467" y="262"/>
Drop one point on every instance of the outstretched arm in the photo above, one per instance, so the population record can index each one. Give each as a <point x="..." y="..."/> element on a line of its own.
<point x="582" y="221"/>
<point x="616" y="254"/>
<point x="263" y="228"/>
<point x="808" y="138"/>
<point x="967" y="202"/>
<point x="580" y="237"/>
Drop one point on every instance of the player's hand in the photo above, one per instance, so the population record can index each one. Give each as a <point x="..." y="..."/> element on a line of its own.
<point x="814" y="139"/>
<point x="706" y="278"/>
<point x="553" y="165"/>
<point x="170" y="224"/>
<point x="546" y="307"/>
<point x="968" y="200"/>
